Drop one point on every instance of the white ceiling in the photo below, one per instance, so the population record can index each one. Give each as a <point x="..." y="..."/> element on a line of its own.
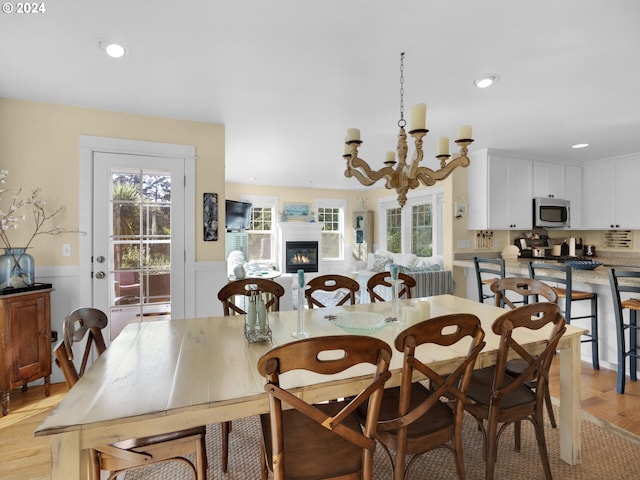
<point x="288" y="77"/>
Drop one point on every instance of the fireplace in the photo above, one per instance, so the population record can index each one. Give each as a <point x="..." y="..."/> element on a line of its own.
<point x="301" y="255"/>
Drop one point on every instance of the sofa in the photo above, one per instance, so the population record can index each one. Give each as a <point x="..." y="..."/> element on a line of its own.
<point x="429" y="273"/>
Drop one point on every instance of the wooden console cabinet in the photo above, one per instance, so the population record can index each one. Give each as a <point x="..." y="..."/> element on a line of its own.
<point x="25" y="348"/>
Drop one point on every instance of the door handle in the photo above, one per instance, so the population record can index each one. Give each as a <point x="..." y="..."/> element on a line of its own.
<point x="100" y="274"/>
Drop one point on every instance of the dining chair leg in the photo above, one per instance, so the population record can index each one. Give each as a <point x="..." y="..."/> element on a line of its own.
<point x="264" y="470"/>
<point x="457" y="449"/>
<point x="516" y="435"/>
<point x="542" y="445"/>
<point x="201" y="459"/>
<point x="547" y="402"/>
<point x="492" y="447"/>
<point x="594" y="333"/>
<point x="633" y="345"/>
<point x="225" y="428"/>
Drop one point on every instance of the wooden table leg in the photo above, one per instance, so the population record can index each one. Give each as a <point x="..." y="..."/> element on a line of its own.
<point x="68" y="462"/>
<point x="570" y="407"/>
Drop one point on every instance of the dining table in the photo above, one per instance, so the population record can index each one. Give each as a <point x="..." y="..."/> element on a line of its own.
<point x="167" y="375"/>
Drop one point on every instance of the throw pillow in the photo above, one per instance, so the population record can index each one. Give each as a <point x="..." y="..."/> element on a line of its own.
<point x="380" y="263"/>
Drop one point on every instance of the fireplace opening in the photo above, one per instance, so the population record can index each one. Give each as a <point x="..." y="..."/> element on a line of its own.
<point x="301" y="255"/>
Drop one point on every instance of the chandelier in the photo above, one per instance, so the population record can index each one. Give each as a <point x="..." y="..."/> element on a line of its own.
<point x="399" y="175"/>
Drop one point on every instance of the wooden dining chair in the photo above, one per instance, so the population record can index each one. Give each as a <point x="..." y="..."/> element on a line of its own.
<point x="136" y="452"/>
<point x="527" y="291"/>
<point x="415" y="419"/>
<point x="346" y="289"/>
<point x="243" y="288"/>
<point x="228" y="295"/>
<point x="381" y="279"/>
<point x="495" y="397"/>
<point x="322" y="441"/>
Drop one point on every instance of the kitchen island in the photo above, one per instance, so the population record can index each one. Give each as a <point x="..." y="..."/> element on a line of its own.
<point x="596" y="280"/>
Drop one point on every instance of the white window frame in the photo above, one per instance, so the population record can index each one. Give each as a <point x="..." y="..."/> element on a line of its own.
<point x="342" y="205"/>
<point x="267" y="201"/>
<point x="435" y="197"/>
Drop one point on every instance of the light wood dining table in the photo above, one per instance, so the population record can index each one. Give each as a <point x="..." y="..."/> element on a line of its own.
<point x="168" y="375"/>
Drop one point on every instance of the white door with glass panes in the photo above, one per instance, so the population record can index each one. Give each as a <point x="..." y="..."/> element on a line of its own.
<point x="138" y="259"/>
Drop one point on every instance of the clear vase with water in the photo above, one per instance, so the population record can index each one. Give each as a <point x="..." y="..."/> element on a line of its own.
<point x="16" y="268"/>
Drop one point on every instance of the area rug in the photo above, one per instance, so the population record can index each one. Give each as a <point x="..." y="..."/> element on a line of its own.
<point x="605" y="455"/>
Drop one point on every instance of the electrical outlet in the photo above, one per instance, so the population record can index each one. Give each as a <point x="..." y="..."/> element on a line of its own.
<point x="66" y="250"/>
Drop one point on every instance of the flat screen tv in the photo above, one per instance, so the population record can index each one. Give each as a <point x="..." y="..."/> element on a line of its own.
<point x="238" y="215"/>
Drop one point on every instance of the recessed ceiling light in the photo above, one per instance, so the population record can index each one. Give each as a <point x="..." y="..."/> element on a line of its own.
<point x="580" y="145"/>
<point x="486" y="80"/>
<point x="113" y="49"/>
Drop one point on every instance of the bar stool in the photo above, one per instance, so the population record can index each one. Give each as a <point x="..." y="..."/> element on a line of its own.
<point x="560" y="274"/>
<point x="488" y="270"/>
<point x="619" y="305"/>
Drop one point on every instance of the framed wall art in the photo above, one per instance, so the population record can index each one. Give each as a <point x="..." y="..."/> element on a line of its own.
<point x="297" y="211"/>
<point x="210" y="217"/>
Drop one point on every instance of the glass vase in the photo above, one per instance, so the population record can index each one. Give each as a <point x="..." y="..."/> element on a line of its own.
<point x="16" y="268"/>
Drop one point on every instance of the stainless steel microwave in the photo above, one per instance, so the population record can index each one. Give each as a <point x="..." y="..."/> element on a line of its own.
<point x="551" y="212"/>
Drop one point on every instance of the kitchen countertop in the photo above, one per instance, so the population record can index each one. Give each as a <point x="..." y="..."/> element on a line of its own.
<point x="597" y="276"/>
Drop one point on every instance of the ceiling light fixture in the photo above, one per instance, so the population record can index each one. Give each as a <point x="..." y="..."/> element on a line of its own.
<point x="486" y="80"/>
<point x="113" y="49"/>
<point x="399" y="175"/>
<point x="580" y="145"/>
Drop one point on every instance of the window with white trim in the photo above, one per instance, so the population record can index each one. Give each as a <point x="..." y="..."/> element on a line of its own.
<point x="417" y="228"/>
<point x="331" y="214"/>
<point x="261" y="234"/>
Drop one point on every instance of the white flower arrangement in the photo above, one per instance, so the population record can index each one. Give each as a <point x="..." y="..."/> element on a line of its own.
<point x="10" y="219"/>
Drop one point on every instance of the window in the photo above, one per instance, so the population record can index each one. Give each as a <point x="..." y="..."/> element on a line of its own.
<point x="261" y="231"/>
<point x="416" y="228"/>
<point x="422" y="230"/>
<point x="331" y="213"/>
<point x="394" y="230"/>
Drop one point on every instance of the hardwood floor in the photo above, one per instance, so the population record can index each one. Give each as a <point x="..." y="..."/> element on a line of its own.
<point x="600" y="399"/>
<point x="25" y="457"/>
<point x="22" y="455"/>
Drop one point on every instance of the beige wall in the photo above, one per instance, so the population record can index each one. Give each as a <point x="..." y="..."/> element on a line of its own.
<point x="39" y="147"/>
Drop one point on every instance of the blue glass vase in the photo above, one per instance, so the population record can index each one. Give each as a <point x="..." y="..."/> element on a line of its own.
<point x="16" y="268"/>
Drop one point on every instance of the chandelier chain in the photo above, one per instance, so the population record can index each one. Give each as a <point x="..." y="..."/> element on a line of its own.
<point x="402" y="122"/>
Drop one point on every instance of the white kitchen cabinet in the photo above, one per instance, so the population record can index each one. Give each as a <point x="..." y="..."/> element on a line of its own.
<point x="549" y="180"/>
<point x="500" y="192"/>
<point x="610" y="194"/>
<point x="599" y="198"/>
<point x="573" y="193"/>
